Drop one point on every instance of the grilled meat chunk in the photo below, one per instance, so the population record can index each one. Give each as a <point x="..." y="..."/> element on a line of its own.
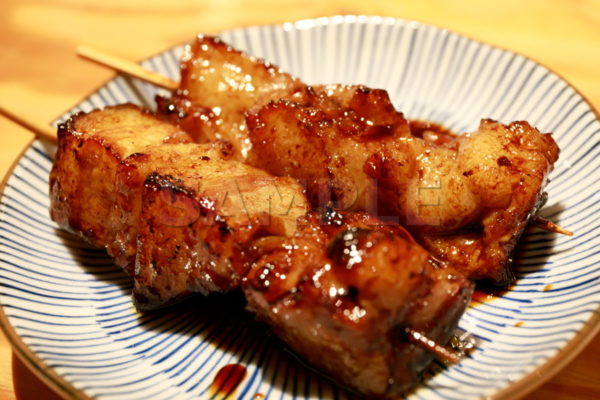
<point x="218" y="85"/>
<point x="442" y="189"/>
<point x="197" y="220"/>
<point x="506" y="167"/>
<point x="130" y="176"/>
<point x="91" y="147"/>
<point x="325" y="140"/>
<point x="343" y="291"/>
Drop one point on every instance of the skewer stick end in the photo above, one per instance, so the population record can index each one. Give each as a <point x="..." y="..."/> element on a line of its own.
<point x="549" y="226"/>
<point x="444" y="354"/>
<point x="126" y="67"/>
<point x="45" y="132"/>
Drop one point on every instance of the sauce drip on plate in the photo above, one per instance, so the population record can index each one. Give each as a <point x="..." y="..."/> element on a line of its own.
<point x="484" y="293"/>
<point x="228" y="379"/>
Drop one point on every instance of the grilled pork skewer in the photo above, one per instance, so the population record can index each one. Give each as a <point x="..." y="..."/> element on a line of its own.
<point x="340" y="288"/>
<point x="176" y="215"/>
<point x="466" y="199"/>
<point x="197" y="107"/>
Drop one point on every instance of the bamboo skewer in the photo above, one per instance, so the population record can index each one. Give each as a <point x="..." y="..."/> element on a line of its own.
<point x="549" y="226"/>
<point x="45" y="132"/>
<point x="126" y="67"/>
<point x="134" y="70"/>
<point x="442" y="353"/>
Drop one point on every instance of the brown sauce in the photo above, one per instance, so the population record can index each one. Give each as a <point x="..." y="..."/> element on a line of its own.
<point x="430" y="131"/>
<point x="484" y="294"/>
<point x="482" y="297"/>
<point x="228" y="379"/>
<point x="258" y="396"/>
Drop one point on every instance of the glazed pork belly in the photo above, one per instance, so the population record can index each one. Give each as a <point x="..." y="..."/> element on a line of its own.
<point x="90" y="149"/>
<point x="344" y="292"/>
<point x="218" y="85"/>
<point x="176" y="216"/>
<point x="197" y="219"/>
<point x="469" y="200"/>
<point x="324" y="138"/>
<point x="162" y="159"/>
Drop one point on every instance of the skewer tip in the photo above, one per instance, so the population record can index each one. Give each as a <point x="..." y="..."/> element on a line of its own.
<point x="444" y="354"/>
<point x="549" y="226"/>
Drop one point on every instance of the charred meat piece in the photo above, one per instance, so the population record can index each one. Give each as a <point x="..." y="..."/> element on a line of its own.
<point x="343" y="291"/>
<point x="130" y="176"/>
<point x="324" y="138"/>
<point x="197" y="219"/>
<point x="443" y="189"/>
<point x="506" y="167"/>
<point x="90" y="150"/>
<point x="176" y="216"/>
<point x="218" y="85"/>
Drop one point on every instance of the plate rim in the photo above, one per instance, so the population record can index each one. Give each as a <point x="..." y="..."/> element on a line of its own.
<point x="517" y="389"/>
<point x="35" y="364"/>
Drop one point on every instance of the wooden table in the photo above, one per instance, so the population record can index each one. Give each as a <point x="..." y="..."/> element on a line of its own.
<point x="40" y="77"/>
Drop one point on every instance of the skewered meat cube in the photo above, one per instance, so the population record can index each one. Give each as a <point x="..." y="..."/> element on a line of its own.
<point x="325" y="140"/>
<point x="129" y="181"/>
<point x="197" y="219"/>
<point x="218" y="85"/>
<point x="91" y="147"/>
<point x="506" y="167"/>
<point x="344" y="291"/>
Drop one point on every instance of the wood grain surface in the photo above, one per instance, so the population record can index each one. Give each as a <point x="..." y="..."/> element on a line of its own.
<point x="41" y="77"/>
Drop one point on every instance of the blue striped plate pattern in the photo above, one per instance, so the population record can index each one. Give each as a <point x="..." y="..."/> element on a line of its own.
<point x="68" y="308"/>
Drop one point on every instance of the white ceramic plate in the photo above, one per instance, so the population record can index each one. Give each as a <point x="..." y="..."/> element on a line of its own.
<point x="67" y="308"/>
